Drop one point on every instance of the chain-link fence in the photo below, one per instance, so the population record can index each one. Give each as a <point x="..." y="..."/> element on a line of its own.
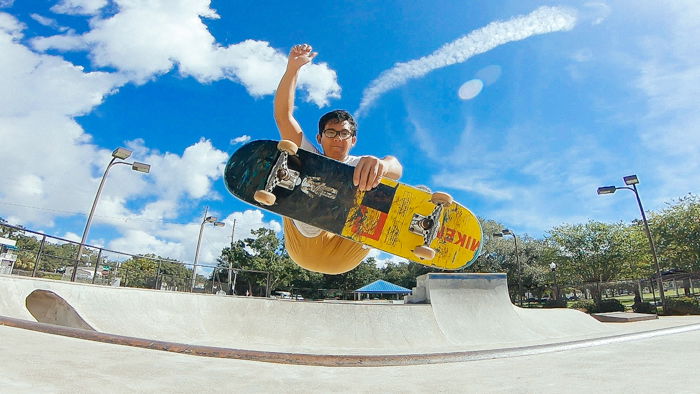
<point x="30" y="253"/>
<point x="675" y="284"/>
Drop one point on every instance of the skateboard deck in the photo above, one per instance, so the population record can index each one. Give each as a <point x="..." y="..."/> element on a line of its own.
<point x="321" y="193"/>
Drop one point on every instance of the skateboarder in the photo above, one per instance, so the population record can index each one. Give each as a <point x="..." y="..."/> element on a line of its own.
<point x="309" y="246"/>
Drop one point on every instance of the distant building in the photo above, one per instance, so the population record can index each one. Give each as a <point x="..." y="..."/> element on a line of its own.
<point x="7" y="258"/>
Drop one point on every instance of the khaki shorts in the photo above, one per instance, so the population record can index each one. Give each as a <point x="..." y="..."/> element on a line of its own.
<point x="327" y="253"/>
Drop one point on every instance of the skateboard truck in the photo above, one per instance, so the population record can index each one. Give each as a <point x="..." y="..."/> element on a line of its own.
<point x="428" y="226"/>
<point x="280" y="174"/>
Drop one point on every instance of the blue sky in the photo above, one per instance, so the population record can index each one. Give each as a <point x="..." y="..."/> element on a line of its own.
<point x="519" y="109"/>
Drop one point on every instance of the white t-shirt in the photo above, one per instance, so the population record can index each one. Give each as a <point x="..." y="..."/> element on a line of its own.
<point x="308" y="230"/>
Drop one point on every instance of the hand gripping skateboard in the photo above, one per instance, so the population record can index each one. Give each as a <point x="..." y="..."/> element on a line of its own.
<point x="429" y="228"/>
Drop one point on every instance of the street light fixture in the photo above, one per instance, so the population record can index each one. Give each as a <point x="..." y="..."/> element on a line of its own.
<point x="632" y="180"/>
<point x="505" y="232"/>
<point x="606" y="190"/>
<point x="117" y="154"/>
<point x="141" y="167"/>
<point x="121" y="153"/>
<point x="205" y="220"/>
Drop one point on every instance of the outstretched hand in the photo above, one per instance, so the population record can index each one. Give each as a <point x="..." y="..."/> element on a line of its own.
<point x="300" y="55"/>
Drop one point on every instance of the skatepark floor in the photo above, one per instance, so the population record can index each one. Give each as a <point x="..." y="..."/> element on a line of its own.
<point x="39" y="362"/>
<point x="657" y="355"/>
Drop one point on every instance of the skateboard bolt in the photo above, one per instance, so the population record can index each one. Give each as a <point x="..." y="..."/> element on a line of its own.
<point x="426" y="224"/>
<point x="282" y="174"/>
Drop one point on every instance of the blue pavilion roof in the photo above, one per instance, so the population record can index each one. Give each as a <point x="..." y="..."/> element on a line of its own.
<point x="384" y="287"/>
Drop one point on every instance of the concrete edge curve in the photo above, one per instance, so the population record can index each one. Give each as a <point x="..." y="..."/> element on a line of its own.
<point x="336" y="360"/>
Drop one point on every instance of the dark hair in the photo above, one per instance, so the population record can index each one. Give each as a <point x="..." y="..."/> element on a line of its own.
<point x="338" y="116"/>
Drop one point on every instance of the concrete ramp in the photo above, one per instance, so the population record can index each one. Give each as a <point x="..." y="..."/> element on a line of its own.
<point x="467" y="312"/>
<point x="473" y="309"/>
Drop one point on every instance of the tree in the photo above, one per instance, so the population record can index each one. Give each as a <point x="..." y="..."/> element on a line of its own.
<point x="173" y="274"/>
<point x="139" y="272"/>
<point x="365" y="273"/>
<point x="265" y="253"/>
<point x="404" y="274"/>
<point x="676" y="232"/>
<point x="597" y="252"/>
<point x="6" y="231"/>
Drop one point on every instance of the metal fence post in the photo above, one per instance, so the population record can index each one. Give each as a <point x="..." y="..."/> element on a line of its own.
<point x="38" y="256"/>
<point x="156" y="286"/>
<point x="97" y="264"/>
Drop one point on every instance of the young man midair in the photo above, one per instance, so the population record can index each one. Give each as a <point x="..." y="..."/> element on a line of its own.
<point x="310" y="247"/>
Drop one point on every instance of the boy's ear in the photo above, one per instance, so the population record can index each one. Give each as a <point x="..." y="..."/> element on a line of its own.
<point x="318" y="138"/>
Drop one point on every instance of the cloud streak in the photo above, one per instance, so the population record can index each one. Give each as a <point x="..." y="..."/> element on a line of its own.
<point x="541" y="21"/>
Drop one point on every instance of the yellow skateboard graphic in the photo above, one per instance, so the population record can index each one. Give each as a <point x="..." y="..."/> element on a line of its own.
<point x="457" y="241"/>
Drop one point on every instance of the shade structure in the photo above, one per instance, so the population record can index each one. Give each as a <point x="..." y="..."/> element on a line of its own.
<point x="382" y="287"/>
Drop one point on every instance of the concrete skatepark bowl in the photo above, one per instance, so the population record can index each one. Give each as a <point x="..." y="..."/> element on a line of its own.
<point x="465" y="317"/>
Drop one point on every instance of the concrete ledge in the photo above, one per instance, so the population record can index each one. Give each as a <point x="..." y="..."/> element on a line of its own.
<point x="623" y="317"/>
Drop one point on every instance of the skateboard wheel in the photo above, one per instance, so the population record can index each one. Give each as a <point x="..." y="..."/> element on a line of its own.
<point x="287" y="146"/>
<point x="440" y="198"/>
<point x="264" y="197"/>
<point x="424" y="253"/>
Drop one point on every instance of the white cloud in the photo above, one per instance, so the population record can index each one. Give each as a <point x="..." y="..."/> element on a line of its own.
<point x="72" y="237"/>
<point x="596" y="12"/>
<point x="148" y="38"/>
<point x="6" y="3"/>
<point x="240" y="140"/>
<point x="79" y="7"/>
<point x="11" y="26"/>
<point x="475" y="184"/>
<point x="70" y="41"/>
<point x="179" y="241"/>
<point x="48" y="22"/>
<point x="58" y="177"/>
<point x="190" y="174"/>
<point x="40" y="96"/>
<point x="542" y="20"/>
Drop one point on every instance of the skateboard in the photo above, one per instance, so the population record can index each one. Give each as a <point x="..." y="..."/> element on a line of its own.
<point x="428" y="228"/>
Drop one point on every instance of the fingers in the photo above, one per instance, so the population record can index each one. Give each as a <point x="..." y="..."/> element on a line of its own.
<point x="301" y="49"/>
<point x="368" y="173"/>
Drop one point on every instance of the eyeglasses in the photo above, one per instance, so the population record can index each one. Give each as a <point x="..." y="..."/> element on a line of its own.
<point x="344" y="134"/>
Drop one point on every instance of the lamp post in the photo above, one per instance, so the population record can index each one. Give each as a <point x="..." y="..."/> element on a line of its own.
<point x="205" y="220"/>
<point x="117" y="154"/>
<point x="517" y="260"/>
<point x="632" y="180"/>
<point x="553" y="267"/>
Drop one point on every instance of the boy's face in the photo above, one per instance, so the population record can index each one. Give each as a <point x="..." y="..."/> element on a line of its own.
<point x="337" y="148"/>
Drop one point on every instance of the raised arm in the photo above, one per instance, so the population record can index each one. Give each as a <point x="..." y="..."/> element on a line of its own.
<point x="284" y="96"/>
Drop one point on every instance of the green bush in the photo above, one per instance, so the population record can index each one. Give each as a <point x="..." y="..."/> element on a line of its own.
<point x="610" y="305"/>
<point x="644" y="307"/>
<point x="49" y="275"/>
<point x="682" y="306"/>
<point x="587" y="306"/>
<point x="554" y="304"/>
